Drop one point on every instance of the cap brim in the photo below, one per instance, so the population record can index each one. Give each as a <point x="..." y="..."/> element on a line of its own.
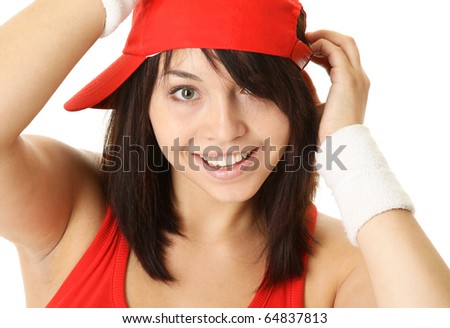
<point x="95" y="94"/>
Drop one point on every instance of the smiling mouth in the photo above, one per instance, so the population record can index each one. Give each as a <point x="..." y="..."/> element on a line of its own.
<point x="229" y="160"/>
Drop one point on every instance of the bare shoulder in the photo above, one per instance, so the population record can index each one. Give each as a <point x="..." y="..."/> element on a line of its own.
<point x="337" y="275"/>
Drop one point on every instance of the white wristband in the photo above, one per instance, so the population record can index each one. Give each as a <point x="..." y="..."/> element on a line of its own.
<point x="360" y="178"/>
<point x="116" y="12"/>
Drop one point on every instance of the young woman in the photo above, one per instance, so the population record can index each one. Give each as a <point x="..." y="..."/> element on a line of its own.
<point x="203" y="196"/>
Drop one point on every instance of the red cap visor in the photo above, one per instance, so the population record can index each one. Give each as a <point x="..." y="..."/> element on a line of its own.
<point x="95" y="93"/>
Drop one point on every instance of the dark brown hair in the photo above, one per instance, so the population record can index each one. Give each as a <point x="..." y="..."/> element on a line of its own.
<point x="141" y="195"/>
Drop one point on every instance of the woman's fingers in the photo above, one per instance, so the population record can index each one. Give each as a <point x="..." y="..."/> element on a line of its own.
<point x="347" y="98"/>
<point x="329" y="55"/>
<point x="346" y="43"/>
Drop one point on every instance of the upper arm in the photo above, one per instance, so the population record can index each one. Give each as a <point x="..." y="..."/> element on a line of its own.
<point x="353" y="287"/>
<point x="40" y="181"/>
<point x="356" y="290"/>
<point x="338" y="271"/>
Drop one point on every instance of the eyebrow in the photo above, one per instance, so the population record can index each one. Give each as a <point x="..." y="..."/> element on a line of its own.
<point x="183" y="74"/>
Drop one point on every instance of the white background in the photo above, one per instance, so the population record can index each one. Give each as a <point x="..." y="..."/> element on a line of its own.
<point x="405" y="51"/>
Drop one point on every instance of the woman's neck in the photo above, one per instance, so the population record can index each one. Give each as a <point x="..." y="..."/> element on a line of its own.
<point x="204" y="218"/>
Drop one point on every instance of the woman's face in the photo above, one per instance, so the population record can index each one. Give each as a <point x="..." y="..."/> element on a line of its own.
<point x="219" y="139"/>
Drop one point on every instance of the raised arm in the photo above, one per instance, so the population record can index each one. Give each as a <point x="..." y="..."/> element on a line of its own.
<point x="38" y="49"/>
<point x="40" y="178"/>
<point x="404" y="267"/>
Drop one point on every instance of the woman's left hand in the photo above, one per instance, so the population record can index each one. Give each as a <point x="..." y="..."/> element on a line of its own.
<point x="347" y="98"/>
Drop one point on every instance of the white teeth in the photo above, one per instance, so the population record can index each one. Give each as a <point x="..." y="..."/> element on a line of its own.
<point x="227" y="161"/>
<point x="237" y="158"/>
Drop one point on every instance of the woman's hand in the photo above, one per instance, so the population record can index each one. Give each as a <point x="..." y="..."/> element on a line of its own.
<point x="391" y="241"/>
<point x="347" y="98"/>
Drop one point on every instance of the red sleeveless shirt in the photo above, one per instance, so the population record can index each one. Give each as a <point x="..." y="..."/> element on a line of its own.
<point x="98" y="279"/>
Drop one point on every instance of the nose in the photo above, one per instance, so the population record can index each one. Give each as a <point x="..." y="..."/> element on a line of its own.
<point x="224" y="121"/>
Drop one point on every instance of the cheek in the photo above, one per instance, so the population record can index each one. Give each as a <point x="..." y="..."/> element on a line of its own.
<point x="158" y="120"/>
<point x="276" y="127"/>
<point x="163" y="124"/>
<point x="171" y="134"/>
<point x="283" y="129"/>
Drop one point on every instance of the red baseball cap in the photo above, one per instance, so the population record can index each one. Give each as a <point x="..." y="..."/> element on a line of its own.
<point x="261" y="26"/>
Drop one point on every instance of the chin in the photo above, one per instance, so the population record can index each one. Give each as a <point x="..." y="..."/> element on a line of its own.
<point x="235" y="194"/>
<point x="235" y="198"/>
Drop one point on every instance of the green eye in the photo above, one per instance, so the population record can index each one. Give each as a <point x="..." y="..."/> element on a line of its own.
<point x="184" y="93"/>
<point x="187" y="94"/>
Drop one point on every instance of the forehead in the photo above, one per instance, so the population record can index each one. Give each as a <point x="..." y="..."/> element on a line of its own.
<point x="193" y="61"/>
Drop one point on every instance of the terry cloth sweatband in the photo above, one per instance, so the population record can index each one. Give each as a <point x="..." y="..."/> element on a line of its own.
<point x="360" y="178"/>
<point x="116" y="12"/>
<point x="261" y="26"/>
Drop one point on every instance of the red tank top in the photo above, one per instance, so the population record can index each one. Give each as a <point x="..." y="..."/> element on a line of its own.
<point x="98" y="279"/>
